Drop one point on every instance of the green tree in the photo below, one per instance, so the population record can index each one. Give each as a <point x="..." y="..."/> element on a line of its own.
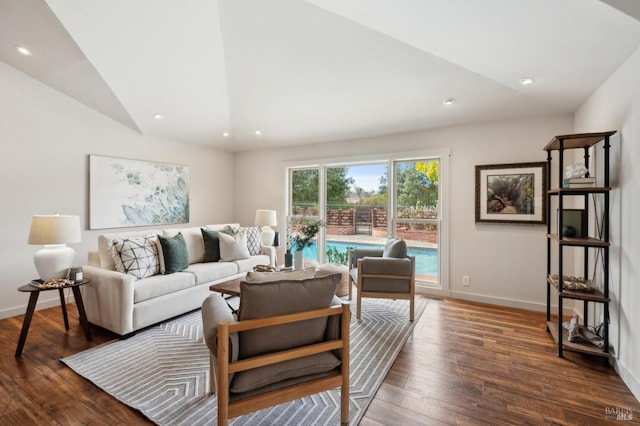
<point x="304" y="188"/>
<point x="338" y="185"/>
<point x="415" y="187"/>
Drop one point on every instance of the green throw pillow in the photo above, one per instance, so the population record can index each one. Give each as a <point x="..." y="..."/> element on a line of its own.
<point x="211" y="245"/>
<point x="174" y="250"/>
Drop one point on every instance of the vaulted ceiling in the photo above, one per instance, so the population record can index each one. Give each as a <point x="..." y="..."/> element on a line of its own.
<point x="317" y="70"/>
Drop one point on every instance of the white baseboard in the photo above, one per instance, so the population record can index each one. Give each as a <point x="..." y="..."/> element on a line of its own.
<point x="531" y="306"/>
<point x="627" y="376"/>
<point x="43" y="303"/>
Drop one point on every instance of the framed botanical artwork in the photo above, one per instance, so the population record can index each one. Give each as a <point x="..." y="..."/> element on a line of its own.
<point x="511" y="193"/>
<point x="124" y="193"/>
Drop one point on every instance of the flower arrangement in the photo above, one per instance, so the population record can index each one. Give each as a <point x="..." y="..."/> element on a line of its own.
<point x="302" y="232"/>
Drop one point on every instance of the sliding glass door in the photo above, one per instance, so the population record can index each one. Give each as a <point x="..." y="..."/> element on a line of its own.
<point x="362" y="204"/>
<point x="417" y="213"/>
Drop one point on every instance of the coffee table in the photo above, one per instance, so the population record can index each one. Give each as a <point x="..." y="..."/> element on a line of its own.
<point x="230" y="288"/>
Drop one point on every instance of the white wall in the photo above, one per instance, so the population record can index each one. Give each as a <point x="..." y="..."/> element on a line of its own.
<point x="616" y="106"/>
<point x="46" y="138"/>
<point x="506" y="263"/>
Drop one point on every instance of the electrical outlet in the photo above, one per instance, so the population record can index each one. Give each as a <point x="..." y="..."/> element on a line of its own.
<point x="465" y="280"/>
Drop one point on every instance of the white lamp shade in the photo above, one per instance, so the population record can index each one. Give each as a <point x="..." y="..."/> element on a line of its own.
<point x="266" y="218"/>
<point x="55" y="229"/>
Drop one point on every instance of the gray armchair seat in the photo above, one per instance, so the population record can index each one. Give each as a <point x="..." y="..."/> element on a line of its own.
<point x="387" y="273"/>
<point x="290" y="339"/>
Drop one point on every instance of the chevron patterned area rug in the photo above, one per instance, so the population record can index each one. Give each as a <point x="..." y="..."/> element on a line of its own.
<point x="164" y="371"/>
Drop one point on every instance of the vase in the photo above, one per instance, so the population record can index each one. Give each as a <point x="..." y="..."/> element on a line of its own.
<point x="298" y="260"/>
<point x="288" y="259"/>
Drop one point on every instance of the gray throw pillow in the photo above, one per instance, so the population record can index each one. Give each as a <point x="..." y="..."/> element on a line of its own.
<point x="174" y="250"/>
<point x="260" y="300"/>
<point x="395" y="248"/>
<point x="211" y="246"/>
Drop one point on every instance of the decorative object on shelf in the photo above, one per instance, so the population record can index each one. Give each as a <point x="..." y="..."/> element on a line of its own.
<point x="574" y="223"/>
<point x="574" y="171"/>
<point x="511" y="193"/>
<point x="579" y="333"/>
<point x="574" y="283"/>
<point x="54" y="232"/>
<point x="585" y="182"/>
<point x="266" y="219"/>
<point x="126" y="193"/>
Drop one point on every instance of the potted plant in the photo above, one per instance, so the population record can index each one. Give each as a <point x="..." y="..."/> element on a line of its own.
<point x="301" y="233"/>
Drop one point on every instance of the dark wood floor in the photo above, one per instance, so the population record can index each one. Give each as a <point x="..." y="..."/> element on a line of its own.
<point x="466" y="363"/>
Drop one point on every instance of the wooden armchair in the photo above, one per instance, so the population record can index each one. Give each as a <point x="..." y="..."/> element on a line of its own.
<point x="387" y="273"/>
<point x="291" y="340"/>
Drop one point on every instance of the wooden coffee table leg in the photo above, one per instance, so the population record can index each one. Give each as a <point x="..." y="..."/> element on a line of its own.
<point x="33" y="298"/>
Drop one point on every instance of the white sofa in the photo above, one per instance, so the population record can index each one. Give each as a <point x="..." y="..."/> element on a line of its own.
<point x="123" y="304"/>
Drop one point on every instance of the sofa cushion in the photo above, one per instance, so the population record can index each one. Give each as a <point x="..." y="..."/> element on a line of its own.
<point x="137" y="256"/>
<point x="259" y="300"/>
<point x="193" y="239"/>
<point x="211" y="245"/>
<point x="245" y="381"/>
<point x="160" y="285"/>
<point x="174" y="251"/>
<point x="207" y="272"/>
<point x="233" y="247"/>
<point x="246" y="265"/>
<point x="395" y="248"/>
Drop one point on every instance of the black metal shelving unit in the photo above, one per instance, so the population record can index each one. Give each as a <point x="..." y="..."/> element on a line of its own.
<point x="557" y="243"/>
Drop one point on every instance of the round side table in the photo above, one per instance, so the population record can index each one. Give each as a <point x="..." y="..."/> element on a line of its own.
<point x="33" y="299"/>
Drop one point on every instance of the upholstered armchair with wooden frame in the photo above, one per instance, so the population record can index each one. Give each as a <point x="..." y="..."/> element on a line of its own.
<point x="290" y="340"/>
<point x="387" y="273"/>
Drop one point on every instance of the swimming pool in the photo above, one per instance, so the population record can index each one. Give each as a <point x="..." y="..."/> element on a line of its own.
<point x="426" y="258"/>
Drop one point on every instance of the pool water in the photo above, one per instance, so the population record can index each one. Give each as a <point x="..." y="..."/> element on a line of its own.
<point x="426" y="258"/>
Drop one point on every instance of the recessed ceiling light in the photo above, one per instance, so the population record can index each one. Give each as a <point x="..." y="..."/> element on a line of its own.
<point x="23" y="50"/>
<point x="449" y="101"/>
<point x="225" y="134"/>
<point x="158" y="116"/>
<point x="258" y="132"/>
<point x="527" y="81"/>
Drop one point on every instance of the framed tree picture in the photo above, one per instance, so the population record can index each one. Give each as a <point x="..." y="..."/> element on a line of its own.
<point x="511" y="193"/>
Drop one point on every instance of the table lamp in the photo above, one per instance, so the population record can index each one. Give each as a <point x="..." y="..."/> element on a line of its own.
<point x="266" y="219"/>
<point x="54" y="232"/>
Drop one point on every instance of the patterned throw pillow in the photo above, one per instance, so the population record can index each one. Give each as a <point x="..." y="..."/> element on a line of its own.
<point x="254" y="241"/>
<point x="137" y="256"/>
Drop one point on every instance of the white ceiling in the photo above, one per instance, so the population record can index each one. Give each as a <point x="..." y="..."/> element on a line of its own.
<point x="317" y="70"/>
